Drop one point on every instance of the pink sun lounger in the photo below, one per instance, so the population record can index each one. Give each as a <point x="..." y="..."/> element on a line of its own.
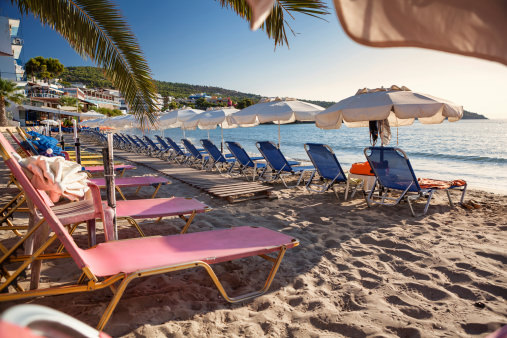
<point x="100" y="168"/>
<point x="115" y="264"/>
<point x="136" y="181"/>
<point x="184" y="208"/>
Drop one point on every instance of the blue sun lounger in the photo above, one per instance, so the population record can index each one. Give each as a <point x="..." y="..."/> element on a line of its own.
<point x="327" y="166"/>
<point x="154" y="149"/>
<point x="177" y="153"/>
<point x="165" y="148"/>
<point x="196" y="155"/>
<point x="279" y="165"/>
<point x="244" y="161"/>
<point x="394" y="172"/>
<point x="217" y="158"/>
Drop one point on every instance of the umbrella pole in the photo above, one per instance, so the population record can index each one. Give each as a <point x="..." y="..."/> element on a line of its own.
<point x="183" y="132"/>
<point x="208" y="134"/>
<point x="278" y="134"/>
<point x="107" y="157"/>
<point x="222" y="132"/>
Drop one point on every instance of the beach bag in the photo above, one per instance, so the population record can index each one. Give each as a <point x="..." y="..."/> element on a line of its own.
<point x="361" y="168"/>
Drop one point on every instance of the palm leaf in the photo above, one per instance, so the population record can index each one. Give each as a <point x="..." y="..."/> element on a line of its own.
<point x="95" y="28"/>
<point x="277" y="24"/>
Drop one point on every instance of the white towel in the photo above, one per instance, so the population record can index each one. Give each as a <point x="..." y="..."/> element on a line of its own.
<point x="56" y="176"/>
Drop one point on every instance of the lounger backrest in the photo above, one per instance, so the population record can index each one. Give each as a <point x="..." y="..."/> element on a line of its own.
<point x="273" y="156"/>
<point x="239" y="153"/>
<point x="212" y="150"/>
<point x="324" y="159"/>
<point x="191" y="148"/>
<point x="392" y="168"/>
<point x="140" y="140"/>
<point x="150" y="142"/>
<point x="37" y="200"/>
<point x="162" y="142"/>
<point x="174" y="145"/>
<point x="133" y="140"/>
<point x="15" y="139"/>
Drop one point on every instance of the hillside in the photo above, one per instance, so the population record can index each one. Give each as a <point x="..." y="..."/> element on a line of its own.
<point x="94" y="77"/>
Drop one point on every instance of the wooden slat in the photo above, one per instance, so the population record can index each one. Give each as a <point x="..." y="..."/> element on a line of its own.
<point x="232" y="189"/>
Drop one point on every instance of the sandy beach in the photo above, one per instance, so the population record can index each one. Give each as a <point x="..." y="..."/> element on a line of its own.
<point x="359" y="271"/>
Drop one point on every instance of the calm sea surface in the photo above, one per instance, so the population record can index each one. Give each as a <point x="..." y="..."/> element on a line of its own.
<point x="474" y="150"/>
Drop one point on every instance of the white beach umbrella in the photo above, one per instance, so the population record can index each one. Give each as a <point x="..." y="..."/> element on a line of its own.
<point x="175" y="118"/>
<point x="88" y="123"/>
<point x="435" y="25"/>
<point x="94" y="123"/>
<point x="90" y="114"/>
<point x="210" y="119"/>
<point x="49" y="122"/>
<point x="279" y="111"/>
<point x="121" y="122"/>
<point x="400" y="106"/>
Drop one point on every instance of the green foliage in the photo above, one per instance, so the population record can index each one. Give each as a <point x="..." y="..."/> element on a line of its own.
<point x="7" y="92"/>
<point x="109" y="112"/>
<point x="173" y="105"/>
<point x="201" y="103"/>
<point x="277" y="23"/>
<point x="67" y="123"/>
<point x="244" y="103"/>
<point x="68" y="101"/>
<point x="97" y="29"/>
<point x="183" y="90"/>
<point x="43" y="68"/>
<point x="71" y="102"/>
<point x="92" y="77"/>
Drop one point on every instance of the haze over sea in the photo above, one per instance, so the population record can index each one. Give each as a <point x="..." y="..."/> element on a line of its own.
<point x="473" y="150"/>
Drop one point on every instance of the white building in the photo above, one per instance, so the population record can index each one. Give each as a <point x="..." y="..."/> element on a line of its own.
<point x="10" y="48"/>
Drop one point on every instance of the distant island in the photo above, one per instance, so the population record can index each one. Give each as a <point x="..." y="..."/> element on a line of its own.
<point x="94" y="77"/>
<point x="467" y="115"/>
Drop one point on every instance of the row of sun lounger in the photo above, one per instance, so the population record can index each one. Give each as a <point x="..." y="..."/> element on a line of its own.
<point x="390" y="167"/>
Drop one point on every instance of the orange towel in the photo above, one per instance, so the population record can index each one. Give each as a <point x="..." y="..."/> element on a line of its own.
<point x="361" y="168"/>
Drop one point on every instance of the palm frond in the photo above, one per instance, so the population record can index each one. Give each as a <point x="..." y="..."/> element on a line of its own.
<point x="276" y="25"/>
<point x="95" y="28"/>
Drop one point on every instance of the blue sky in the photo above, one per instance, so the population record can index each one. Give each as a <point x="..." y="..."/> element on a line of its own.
<point x="198" y="42"/>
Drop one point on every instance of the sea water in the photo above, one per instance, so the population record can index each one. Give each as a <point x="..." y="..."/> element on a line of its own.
<point x="473" y="150"/>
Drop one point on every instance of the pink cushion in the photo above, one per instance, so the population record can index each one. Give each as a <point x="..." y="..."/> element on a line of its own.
<point x="100" y="168"/>
<point x="158" y="207"/>
<point x="127" y="256"/>
<point x="131" y="181"/>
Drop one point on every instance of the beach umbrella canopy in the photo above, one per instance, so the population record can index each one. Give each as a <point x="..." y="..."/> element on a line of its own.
<point x="49" y="122"/>
<point x="279" y="111"/>
<point x="210" y="119"/>
<point x="90" y="114"/>
<point x="94" y="123"/>
<point x="121" y="121"/>
<point x="175" y="118"/>
<point x="399" y="105"/>
<point x="466" y="27"/>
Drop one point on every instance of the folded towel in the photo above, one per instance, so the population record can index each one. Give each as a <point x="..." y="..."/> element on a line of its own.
<point x="56" y="176"/>
<point x="429" y="183"/>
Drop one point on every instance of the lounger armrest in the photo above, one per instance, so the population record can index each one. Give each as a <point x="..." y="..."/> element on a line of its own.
<point x="97" y="201"/>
